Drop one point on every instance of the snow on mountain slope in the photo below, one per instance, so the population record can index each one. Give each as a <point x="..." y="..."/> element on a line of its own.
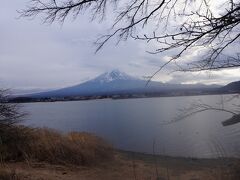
<point x="112" y="76"/>
<point x="107" y="83"/>
<point x="114" y="82"/>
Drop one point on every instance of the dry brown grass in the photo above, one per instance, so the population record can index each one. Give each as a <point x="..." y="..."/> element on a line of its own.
<point x="9" y="175"/>
<point x="235" y="171"/>
<point x="22" y="143"/>
<point x="73" y="148"/>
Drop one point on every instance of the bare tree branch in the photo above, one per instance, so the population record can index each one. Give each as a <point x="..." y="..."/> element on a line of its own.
<point x="198" y="107"/>
<point x="10" y="113"/>
<point x="178" y="26"/>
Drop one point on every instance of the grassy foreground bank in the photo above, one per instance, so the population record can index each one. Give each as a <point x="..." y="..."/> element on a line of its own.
<point x="45" y="154"/>
<point x="20" y="143"/>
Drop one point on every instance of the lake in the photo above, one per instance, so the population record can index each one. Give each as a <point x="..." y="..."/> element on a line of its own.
<point x="140" y="124"/>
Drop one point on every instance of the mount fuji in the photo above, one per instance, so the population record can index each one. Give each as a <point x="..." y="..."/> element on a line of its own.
<point x="108" y="83"/>
<point x="117" y="83"/>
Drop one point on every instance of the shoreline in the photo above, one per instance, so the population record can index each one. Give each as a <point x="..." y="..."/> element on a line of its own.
<point x="128" y="165"/>
<point x="161" y="156"/>
<point x="23" y="99"/>
<point x="46" y="154"/>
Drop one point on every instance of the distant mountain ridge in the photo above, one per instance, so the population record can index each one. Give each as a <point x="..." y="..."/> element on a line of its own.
<point x="231" y="87"/>
<point x="20" y="92"/>
<point x="119" y="83"/>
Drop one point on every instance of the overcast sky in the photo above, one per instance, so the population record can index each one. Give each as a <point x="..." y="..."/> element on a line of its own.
<point x="36" y="55"/>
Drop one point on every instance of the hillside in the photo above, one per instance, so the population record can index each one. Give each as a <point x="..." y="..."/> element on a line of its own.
<point x="119" y="83"/>
<point x="233" y="87"/>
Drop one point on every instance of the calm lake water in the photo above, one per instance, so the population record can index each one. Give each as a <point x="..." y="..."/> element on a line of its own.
<point x="137" y="124"/>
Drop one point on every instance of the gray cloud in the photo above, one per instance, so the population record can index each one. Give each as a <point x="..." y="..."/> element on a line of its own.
<point x="214" y="77"/>
<point x="33" y="55"/>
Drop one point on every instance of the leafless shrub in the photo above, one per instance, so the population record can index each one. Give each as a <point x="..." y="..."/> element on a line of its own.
<point x="10" y="113"/>
<point x="11" y="133"/>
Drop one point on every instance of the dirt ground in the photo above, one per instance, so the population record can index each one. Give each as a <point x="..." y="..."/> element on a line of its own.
<point x="128" y="166"/>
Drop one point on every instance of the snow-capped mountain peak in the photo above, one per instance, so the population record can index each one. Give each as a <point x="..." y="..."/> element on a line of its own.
<point x="113" y="75"/>
<point x="116" y="82"/>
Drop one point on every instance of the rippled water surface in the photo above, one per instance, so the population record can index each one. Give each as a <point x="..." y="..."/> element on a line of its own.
<point x="137" y="124"/>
